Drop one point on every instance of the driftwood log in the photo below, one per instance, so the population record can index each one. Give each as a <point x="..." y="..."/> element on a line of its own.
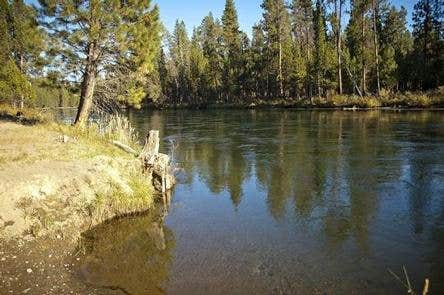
<point x="126" y="148"/>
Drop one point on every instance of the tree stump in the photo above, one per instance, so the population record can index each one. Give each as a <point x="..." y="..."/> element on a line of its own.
<point x="150" y="150"/>
<point x="157" y="165"/>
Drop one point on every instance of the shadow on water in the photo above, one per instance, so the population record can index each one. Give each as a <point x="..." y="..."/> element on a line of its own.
<point x="130" y="255"/>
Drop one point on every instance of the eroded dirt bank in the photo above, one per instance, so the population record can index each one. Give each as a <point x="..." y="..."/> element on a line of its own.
<point x="55" y="184"/>
<point x="51" y="182"/>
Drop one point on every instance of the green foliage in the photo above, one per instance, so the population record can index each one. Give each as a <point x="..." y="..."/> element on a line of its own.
<point x="303" y="36"/>
<point x="14" y="84"/>
<point x="359" y="41"/>
<point x="294" y="52"/>
<point x="277" y="28"/>
<point x="21" y="43"/>
<point x="428" y="43"/>
<point x="211" y="39"/>
<point x="232" y="49"/>
<point x="121" y="39"/>
<point x="321" y="47"/>
<point x="139" y="40"/>
<point x="396" y="45"/>
<point x="388" y="67"/>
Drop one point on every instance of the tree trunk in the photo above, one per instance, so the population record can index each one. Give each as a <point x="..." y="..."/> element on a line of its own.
<point x="281" y="90"/>
<point x="21" y="67"/>
<point x="364" y="67"/>
<point x="88" y="85"/>
<point x="375" y="39"/>
<point x="338" y="45"/>
<point x="352" y="78"/>
<point x="307" y="65"/>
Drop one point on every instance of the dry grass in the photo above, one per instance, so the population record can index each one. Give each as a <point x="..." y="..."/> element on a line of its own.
<point x="434" y="98"/>
<point x="415" y="99"/>
<point x="117" y="127"/>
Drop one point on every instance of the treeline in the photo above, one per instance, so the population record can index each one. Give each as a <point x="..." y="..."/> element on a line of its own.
<point x="302" y="50"/>
<point x="100" y="53"/>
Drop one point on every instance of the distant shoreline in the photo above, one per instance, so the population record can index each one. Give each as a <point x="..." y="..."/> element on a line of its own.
<point x="401" y="101"/>
<point x="297" y="108"/>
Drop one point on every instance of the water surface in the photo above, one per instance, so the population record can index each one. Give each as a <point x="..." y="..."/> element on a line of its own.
<point x="284" y="202"/>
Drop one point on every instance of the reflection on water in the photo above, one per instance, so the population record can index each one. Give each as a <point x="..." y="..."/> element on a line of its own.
<point x="281" y="201"/>
<point x="131" y="255"/>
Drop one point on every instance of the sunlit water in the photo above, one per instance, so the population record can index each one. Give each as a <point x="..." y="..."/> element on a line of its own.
<point x="284" y="202"/>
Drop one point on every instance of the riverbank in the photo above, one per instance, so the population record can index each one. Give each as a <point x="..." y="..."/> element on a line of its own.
<point x="58" y="180"/>
<point x="408" y="100"/>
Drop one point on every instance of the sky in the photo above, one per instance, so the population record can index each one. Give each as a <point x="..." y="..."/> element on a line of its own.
<point x="249" y="11"/>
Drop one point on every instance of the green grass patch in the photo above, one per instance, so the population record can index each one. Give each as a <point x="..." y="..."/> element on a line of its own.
<point x="118" y="202"/>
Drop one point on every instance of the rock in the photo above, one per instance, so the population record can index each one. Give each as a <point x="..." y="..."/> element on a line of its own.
<point x="64" y="138"/>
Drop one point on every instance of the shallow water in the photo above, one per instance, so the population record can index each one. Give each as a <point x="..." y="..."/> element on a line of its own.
<point x="284" y="202"/>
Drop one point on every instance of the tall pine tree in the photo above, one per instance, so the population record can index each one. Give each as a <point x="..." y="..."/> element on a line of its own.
<point x="277" y="27"/>
<point x="429" y="43"/>
<point x="232" y="49"/>
<point x="105" y="35"/>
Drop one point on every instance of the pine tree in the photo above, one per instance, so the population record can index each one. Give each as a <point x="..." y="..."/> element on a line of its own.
<point x="302" y="27"/>
<point x="320" y="42"/>
<point x="245" y="65"/>
<point x="21" y="43"/>
<point x="428" y="43"/>
<point x="180" y="55"/>
<point x="211" y="31"/>
<point x="163" y="74"/>
<point x="198" y="69"/>
<point x="336" y="24"/>
<point x="232" y="47"/>
<point x="396" y="46"/>
<point x="111" y="35"/>
<point x="277" y="27"/>
<point x="359" y="40"/>
<point x="258" y="74"/>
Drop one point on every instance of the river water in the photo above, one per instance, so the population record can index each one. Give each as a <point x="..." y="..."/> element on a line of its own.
<point x="284" y="202"/>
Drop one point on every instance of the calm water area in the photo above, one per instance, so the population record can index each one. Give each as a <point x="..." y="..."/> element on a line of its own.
<point x="284" y="202"/>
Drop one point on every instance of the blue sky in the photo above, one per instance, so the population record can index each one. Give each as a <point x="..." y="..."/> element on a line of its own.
<point x="249" y="11"/>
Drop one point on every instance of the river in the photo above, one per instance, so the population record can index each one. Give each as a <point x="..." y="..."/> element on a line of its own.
<point x="284" y="202"/>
